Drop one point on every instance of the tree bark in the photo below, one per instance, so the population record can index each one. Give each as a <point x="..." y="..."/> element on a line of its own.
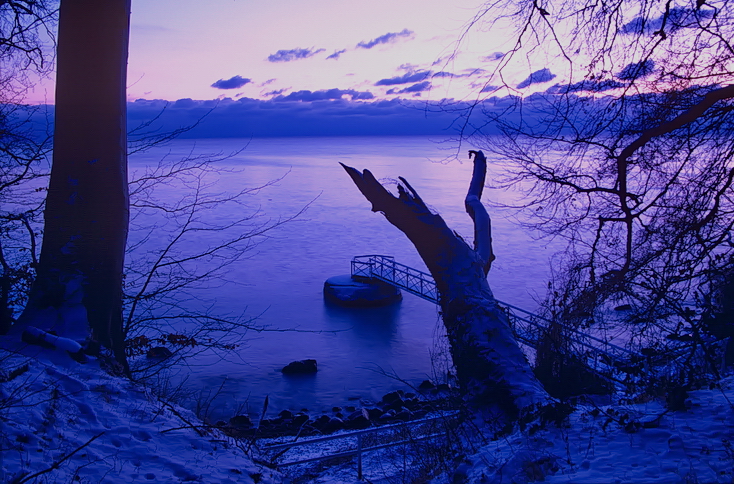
<point x="491" y="368"/>
<point x="78" y="287"/>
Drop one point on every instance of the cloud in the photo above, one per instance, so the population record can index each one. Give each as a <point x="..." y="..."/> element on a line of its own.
<point x="246" y="117"/>
<point x="386" y="39"/>
<point x="326" y="94"/>
<point x="406" y="78"/>
<point x="494" y="56"/>
<point x="586" y="85"/>
<point x="231" y="83"/>
<point x="420" y="87"/>
<point x="635" y="70"/>
<point x="336" y="54"/>
<point x="537" y="77"/>
<point x="678" y="18"/>
<point x="293" y="54"/>
<point x="489" y="88"/>
<point x="467" y="73"/>
<point x="275" y="92"/>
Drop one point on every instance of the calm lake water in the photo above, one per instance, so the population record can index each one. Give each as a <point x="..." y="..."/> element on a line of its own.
<point x="283" y="277"/>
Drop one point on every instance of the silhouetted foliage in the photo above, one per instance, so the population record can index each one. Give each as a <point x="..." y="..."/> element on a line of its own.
<point x="630" y="159"/>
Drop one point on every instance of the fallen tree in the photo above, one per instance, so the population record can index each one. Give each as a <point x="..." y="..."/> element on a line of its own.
<point x="493" y="372"/>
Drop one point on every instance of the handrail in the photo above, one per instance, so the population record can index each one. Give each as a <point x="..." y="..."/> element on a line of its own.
<point x="385" y="268"/>
<point x="359" y="434"/>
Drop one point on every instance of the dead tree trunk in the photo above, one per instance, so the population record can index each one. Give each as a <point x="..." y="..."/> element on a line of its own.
<point x="491" y="368"/>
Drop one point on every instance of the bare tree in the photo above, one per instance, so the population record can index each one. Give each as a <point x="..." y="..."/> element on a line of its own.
<point x="492" y="370"/>
<point x="165" y="270"/>
<point x="26" y="50"/>
<point x="630" y="159"/>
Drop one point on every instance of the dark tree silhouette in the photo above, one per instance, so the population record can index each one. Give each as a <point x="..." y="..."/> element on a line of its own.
<point x="630" y="158"/>
<point x="24" y="24"/>
<point x="492" y="370"/>
<point x="78" y="287"/>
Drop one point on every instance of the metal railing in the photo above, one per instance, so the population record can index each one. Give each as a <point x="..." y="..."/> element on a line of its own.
<point x="384" y="268"/>
<point x="360" y="435"/>
<point x="528" y="328"/>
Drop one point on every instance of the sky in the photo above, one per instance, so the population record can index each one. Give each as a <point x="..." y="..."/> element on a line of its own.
<point x="335" y="67"/>
<point x="244" y="48"/>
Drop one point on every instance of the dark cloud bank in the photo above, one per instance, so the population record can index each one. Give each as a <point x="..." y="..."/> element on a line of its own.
<point x="331" y="112"/>
<point x="301" y="113"/>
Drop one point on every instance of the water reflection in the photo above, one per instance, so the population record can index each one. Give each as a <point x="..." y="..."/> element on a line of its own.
<point x="373" y="326"/>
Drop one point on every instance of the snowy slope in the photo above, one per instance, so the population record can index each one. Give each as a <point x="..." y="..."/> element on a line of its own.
<point x="622" y="444"/>
<point x="99" y="428"/>
<point x="87" y="426"/>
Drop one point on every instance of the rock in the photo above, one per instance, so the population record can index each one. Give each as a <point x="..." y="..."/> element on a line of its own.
<point x="221" y="423"/>
<point x="300" y="367"/>
<point x="240" y="421"/>
<point x="374" y="413"/>
<point x="350" y="408"/>
<point x="357" y="413"/>
<point x="387" y="416"/>
<point x="410" y="395"/>
<point x="285" y="414"/>
<point x="300" y="419"/>
<point x="159" y="352"/>
<point x="347" y="291"/>
<point x="357" y="423"/>
<point x="392" y="397"/>
<point x="320" y="422"/>
<point x="336" y="409"/>
<point x="411" y="403"/>
<point x="426" y="385"/>
<point x="284" y="424"/>
<point x="443" y="387"/>
<point x="334" y="425"/>
<point x="404" y="415"/>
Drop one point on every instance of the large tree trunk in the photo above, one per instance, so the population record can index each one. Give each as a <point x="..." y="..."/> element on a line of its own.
<point x="491" y="368"/>
<point x="78" y="288"/>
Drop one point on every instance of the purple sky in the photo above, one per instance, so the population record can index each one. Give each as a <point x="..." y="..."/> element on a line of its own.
<point x="327" y="55"/>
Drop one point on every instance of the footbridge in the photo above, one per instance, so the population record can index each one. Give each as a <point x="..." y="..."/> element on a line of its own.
<point x="529" y="328"/>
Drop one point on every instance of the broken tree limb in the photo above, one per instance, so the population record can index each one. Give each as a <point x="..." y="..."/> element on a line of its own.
<point x="477" y="212"/>
<point x="492" y="370"/>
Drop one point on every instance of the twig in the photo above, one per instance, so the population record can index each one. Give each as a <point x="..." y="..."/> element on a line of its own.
<point x="56" y="464"/>
<point x="177" y="414"/>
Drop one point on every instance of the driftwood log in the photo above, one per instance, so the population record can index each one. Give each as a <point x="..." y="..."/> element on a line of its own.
<point x="493" y="372"/>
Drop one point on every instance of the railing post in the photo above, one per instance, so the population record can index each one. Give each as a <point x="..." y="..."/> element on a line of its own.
<point x="359" y="457"/>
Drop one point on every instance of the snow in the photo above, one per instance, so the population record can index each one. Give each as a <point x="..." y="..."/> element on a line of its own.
<point x="88" y="426"/>
<point x="102" y="428"/>
<point x="600" y="445"/>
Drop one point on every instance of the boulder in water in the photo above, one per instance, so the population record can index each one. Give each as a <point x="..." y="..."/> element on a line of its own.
<point x="300" y="367"/>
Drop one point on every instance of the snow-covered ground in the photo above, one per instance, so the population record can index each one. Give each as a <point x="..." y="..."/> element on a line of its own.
<point x="82" y="425"/>
<point x="65" y="422"/>
<point x="641" y="443"/>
